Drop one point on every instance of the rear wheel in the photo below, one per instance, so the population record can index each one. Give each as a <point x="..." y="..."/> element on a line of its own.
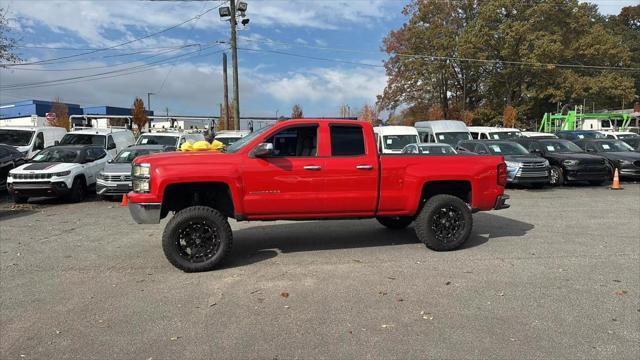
<point x="78" y="190"/>
<point x="197" y="238"/>
<point x="395" y="222"/>
<point x="444" y="223"/>
<point x="556" y="176"/>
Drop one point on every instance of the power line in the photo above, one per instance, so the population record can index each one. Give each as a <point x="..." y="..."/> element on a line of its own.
<point x="310" y="57"/>
<point x="118" y="45"/>
<point x="450" y="58"/>
<point x="13" y="86"/>
<point x="110" y="76"/>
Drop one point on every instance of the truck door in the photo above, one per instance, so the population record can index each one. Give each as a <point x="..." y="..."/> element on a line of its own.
<point x="350" y="172"/>
<point x="288" y="182"/>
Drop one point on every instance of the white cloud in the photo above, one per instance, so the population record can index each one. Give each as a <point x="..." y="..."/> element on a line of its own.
<point x="328" y="85"/>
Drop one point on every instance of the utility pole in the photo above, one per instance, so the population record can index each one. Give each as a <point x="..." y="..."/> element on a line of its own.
<point x="234" y="60"/>
<point x="149" y="108"/>
<point x="226" y="91"/>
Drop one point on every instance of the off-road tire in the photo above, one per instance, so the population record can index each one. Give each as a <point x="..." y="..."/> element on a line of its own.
<point x="78" y="190"/>
<point x="424" y="223"/>
<point x="202" y="214"/>
<point x="395" y="222"/>
<point x="560" y="180"/>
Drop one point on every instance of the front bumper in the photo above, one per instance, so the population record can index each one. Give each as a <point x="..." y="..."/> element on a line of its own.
<point x="38" y="189"/>
<point x="145" y="213"/>
<point x="501" y="202"/>
<point x="630" y="171"/>
<point x="587" y="174"/>
<point x="112" y="188"/>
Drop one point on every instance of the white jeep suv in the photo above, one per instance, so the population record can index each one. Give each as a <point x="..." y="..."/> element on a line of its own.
<point x="65" y="170"/>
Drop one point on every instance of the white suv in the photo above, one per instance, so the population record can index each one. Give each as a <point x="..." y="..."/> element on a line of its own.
<point x="65" y="170"/>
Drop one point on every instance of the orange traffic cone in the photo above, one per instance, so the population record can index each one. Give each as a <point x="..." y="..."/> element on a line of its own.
<point x="125" y="200"/>
<point x="616" y="181"/>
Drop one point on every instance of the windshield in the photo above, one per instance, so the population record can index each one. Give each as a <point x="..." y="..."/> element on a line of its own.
<point x="157" y="140"/>
<point x="83" y="139"/>
<point x="507" y="149"/>
<point x="127" y="156"/>
<point x="504" y="135"/>
<point x="634" y="142"/>
<point x="560" y="147"/>
<point x="628" y="136"/>
<point x="437" y="150"/>
<point x="613" y="146"/>
<point x="398" y="142"/>
<point x="16" y="137"/>
<point x="247" y="139"/>
<point x="588" y="135"/>
<point x="452" y="138"/>
<point x="57" y="155"/>
<point x="228" y="140"/>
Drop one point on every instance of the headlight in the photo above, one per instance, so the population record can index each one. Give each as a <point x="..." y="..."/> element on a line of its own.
<point x="62" y="173"/>
<point x="141" y="170"/>
<point x="626" y="162"/>
<point x="140" y="185"/>
<point x="100" y="176"/>
<point x="9" y="175"/>
<point x="571" y="162"/>
<point x="513" y="164"/>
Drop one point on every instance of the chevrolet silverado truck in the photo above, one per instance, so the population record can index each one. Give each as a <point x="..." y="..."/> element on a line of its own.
<point x="309" y="169"/>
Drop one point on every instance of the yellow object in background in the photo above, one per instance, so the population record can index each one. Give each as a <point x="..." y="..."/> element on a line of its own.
<point x="201" y="145"/>
<point x="188" y="146"/>
<point x="216" y="145"/>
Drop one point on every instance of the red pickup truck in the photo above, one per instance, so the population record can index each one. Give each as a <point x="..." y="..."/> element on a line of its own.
<point x="309" y="169"/>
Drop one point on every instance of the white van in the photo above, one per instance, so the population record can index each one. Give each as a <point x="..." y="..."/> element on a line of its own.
<point x="228" y="137"/>
<point x="392" y="139"/>
<point x="113" y="139"/>
<point x="169" y="138"/>
<point x="493" y="133"/>
<point x="443" y="131"/>
<point x="29" y="140"/>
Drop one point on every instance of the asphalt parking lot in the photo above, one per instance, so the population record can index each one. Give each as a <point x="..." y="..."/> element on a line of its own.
<point x="555" y="276"/>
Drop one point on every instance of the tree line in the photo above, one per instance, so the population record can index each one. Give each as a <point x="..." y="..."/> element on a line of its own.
<point x="495" y="62"/>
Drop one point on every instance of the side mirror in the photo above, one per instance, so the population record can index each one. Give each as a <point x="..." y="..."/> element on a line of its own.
<point x="535" y="151"/>
<point x="56" y="143"/>
<point x="263" y="150"/>
<point x="590" y="150"/>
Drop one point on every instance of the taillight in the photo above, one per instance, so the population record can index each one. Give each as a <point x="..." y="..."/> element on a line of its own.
<point x="502" y="174"/>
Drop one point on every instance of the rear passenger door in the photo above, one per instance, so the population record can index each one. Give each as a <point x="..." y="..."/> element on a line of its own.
<point x="350" y="173"/>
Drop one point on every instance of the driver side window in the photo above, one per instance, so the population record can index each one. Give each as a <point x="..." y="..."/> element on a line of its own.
<point x="297" y="141"/>
<point x="110" y="143"/>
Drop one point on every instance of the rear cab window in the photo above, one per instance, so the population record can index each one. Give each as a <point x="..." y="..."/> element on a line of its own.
<point x="347" y="140"/>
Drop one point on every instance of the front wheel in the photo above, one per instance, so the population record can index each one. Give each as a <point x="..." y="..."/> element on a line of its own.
<point x="395" y="222"/>
<point x="444" y="223"/>
<point x="197" y="238"/>
<point x="556" y="176"/>
<point x="78" y="190"/>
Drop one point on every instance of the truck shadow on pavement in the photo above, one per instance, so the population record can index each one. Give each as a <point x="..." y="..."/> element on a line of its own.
<point x="259" y="243"/>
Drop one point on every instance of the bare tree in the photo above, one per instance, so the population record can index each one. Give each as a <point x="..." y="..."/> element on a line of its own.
<point x="369" y="114"/>
<point x="296" y="112"/>
<point x="7" y="43"/>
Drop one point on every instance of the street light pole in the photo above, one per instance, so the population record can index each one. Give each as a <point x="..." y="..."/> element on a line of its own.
<point x="149" y="108"/>
<point x="234" y="60"/>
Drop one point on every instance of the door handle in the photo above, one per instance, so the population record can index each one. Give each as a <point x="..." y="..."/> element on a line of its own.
<point x="312" y="167"/>
<point x="364" y="167"/>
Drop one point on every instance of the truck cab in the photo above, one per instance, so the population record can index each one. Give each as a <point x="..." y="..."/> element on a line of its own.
<point x="443" y="131"/>
<point x="392" y="139"/>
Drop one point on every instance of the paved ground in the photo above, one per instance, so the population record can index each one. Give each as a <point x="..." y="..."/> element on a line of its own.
<point x="555" y="276"/>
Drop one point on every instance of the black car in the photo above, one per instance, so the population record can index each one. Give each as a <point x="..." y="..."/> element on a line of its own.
<point x="522" y="167"/>
<point x="620" y="155"/>
<point x="634" y="142"/>
<point x="9" y="159"/>
<point x="580" y="134"/>
<point x="568" y="161"/>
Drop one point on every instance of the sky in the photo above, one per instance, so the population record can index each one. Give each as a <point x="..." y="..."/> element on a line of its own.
<point x="316" y="53"/>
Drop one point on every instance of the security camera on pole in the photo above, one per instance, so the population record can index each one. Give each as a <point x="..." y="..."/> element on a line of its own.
<point x="231" y="12"/>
